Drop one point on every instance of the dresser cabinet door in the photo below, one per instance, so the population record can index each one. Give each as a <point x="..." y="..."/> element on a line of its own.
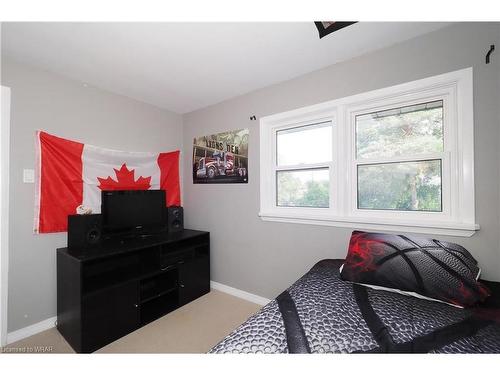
<point x="194" y="279"/>
<point x="109" y="314"/>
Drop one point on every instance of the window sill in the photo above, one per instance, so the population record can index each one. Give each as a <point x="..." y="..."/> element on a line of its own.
<point x="435" y="228"/>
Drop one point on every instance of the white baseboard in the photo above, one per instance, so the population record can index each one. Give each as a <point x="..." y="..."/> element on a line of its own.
<point x="239" y="293"/>
<point x="31" y="330"/>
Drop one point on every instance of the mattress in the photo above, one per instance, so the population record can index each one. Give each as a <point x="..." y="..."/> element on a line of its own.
<point x="321" y="313"/>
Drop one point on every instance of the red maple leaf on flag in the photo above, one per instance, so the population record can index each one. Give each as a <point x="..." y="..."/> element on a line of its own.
<point x="125" y="180"/>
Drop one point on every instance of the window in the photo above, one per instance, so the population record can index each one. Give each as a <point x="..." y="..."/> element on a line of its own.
<point x="385" y="140"/>
<point x="303" y="157"/>
<point x="399" y="158"/>
<point x="303" y="188"/>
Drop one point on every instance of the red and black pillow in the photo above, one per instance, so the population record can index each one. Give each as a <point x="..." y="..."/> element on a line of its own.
<point x="432" y="268"/>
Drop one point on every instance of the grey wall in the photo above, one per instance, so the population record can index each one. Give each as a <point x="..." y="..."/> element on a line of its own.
<point x="265" y="257"/>
<point x="41" y="100"/>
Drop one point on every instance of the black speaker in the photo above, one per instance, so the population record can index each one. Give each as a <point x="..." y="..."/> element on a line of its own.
<point x="175" y="219"/>
<point x="84" y="231"/>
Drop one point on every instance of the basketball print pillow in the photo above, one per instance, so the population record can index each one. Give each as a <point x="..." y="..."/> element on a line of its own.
<point x="432" y="268"/>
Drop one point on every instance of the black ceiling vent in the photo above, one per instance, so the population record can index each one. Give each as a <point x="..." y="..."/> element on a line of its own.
<point x="328" y="27"/>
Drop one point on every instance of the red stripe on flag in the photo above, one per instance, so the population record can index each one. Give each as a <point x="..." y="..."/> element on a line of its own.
<point x="61" y="184"/>
<point x="169" y="176"/>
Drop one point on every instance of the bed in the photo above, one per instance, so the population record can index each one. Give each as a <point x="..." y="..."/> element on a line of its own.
<point x="321" y="313"/>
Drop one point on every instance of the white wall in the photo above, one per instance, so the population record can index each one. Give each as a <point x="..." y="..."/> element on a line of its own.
<point x="66" y="108"/>
<point x="265" y="257"/>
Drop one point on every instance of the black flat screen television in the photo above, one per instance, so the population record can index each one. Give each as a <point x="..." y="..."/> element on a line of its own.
<point x="133" y="211"/>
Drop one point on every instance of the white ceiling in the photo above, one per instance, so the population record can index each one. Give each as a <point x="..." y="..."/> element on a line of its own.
<point x="186" y="66"/>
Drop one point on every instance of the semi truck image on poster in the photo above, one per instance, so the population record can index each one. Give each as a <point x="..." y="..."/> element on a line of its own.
<point x="221" y="158"/>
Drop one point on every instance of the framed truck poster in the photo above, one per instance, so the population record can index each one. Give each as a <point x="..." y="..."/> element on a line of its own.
<point x="221" y="158"/>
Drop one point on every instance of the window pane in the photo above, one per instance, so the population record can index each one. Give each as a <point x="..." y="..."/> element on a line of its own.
<point x="303" y="188"/>
<point x="409" y="186"/>
<point x="304" y="145"/>
<point x="410" y="130"/>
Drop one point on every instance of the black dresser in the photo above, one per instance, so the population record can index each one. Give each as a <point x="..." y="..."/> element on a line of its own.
<point x="107" y="292"/>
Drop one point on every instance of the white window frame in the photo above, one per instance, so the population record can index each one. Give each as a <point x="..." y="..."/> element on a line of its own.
<point x="458" y="205"/>
<point x="5" y="99"/>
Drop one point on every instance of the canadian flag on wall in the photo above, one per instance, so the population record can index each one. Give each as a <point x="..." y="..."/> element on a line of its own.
<point x="70" y="174"/>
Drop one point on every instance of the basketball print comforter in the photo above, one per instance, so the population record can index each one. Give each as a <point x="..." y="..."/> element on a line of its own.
<point x="321" y="313"/>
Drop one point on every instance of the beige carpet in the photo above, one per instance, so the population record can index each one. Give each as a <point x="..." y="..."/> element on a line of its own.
<point x="194" y="328"/>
